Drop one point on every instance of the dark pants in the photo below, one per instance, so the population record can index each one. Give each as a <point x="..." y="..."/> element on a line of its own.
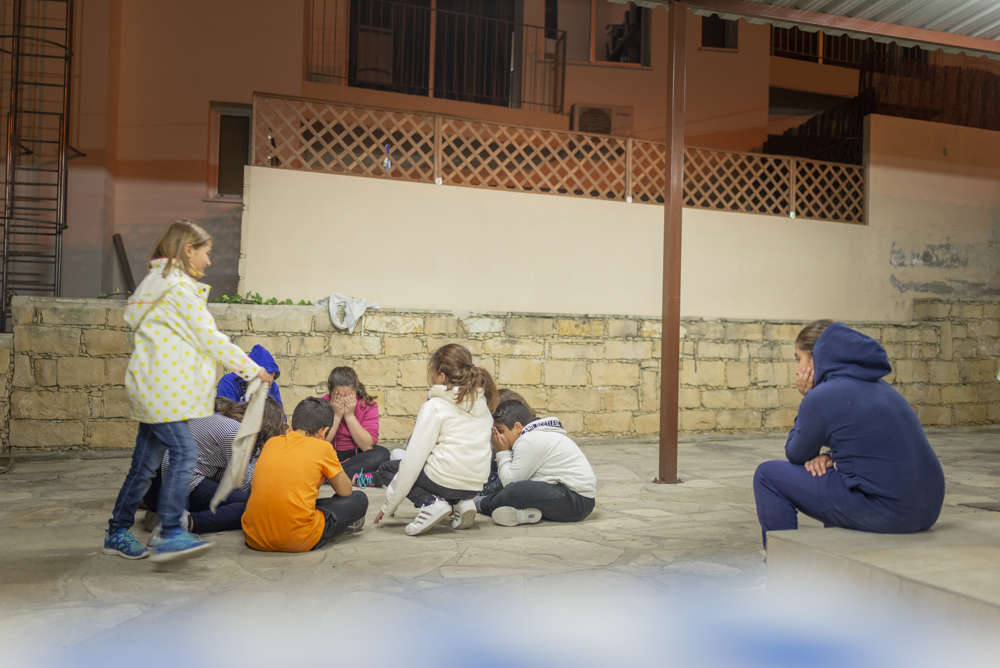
<point x="340" y="513"/>
<point x="782" y="488"/>
<point x="556" y="502"/>
<point x="227" y="517"/>
<point x="425" y="491"/>
<point x="360" y="461"/>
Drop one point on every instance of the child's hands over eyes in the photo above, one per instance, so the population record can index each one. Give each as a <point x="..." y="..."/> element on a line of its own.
<point x="499" y="441"/>
<point x="350" y="401"/>
<point x="338" y="405"/>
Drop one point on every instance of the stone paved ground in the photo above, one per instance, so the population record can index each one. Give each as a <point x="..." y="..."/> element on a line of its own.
<point x="643" y="542"/>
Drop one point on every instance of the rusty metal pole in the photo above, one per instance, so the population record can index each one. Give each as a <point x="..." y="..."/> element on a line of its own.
<point x="672" y="211"/>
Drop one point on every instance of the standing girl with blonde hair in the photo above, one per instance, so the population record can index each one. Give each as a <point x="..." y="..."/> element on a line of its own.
<point x="170" y="380"/>
<point x="447" y="459"/>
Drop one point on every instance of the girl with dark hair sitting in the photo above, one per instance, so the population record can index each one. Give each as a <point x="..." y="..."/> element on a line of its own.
<point x="355" y="427"/>
<point x="879" y="474"/>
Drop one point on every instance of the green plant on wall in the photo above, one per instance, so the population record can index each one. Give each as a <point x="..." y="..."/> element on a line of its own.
<point x="255" y="298"/>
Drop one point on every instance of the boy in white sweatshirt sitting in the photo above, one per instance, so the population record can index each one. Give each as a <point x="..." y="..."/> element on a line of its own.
<point x="544" y="473"/>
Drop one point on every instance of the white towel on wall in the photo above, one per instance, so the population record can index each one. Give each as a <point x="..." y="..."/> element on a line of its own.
<point x="353" y="310"/>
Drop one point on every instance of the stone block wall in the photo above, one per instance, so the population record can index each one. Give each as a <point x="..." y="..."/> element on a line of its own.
<point x="6" y="367"/>
<point x="599" y="374"/>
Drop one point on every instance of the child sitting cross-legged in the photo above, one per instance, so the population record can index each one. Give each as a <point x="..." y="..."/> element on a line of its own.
<point x="447" y="459"/>
<point x="355" y="427"/>
<point x="545" y="475"/>
<point x="284" y="513"/>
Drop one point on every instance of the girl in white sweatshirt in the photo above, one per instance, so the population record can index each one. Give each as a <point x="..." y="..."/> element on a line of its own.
<point x="448" y="456"/>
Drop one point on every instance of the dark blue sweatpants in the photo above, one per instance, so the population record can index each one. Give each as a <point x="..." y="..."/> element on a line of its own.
<point x="782" y="488"/>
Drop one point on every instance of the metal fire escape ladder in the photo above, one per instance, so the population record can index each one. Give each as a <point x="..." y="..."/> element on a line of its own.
<point x="36" y="50"/>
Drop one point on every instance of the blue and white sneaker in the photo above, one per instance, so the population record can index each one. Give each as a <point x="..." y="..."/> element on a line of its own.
<point x="178" y="547"/>
<point x="124" y="544"/>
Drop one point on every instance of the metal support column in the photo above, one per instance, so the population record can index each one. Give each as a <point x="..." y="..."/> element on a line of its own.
<point x="672" y="213"/>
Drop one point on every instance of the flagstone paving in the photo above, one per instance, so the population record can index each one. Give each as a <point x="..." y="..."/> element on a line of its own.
<point x="643" y="541"/>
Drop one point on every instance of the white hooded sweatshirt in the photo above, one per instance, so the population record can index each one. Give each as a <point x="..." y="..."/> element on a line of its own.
<point x="451" y="443"/>
<point x="171" y="375"/>
<point x="544" y="453"/>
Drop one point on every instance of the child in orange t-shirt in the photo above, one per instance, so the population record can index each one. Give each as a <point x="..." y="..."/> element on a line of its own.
<point x="283" y="513"/>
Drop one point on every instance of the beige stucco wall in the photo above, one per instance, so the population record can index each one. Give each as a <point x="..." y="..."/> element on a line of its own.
<point x="934" y="228"/>
<point x="410" y="245"/>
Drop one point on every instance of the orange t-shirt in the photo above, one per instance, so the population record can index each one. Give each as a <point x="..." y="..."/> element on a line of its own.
<point x="281" y="513"/>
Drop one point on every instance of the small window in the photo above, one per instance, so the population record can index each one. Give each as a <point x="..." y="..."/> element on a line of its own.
<point x="230" y="150"/>
<point x="718" y="33"/>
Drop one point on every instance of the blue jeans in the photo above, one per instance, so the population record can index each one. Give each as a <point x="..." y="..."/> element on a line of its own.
<point x="781" y="489"/>
<point x="150" y="444"/>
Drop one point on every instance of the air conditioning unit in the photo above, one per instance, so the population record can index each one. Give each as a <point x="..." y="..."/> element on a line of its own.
<point x="602" y="119"/>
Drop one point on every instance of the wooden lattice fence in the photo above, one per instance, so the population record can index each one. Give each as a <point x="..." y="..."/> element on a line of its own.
<point x="294" y="133"/>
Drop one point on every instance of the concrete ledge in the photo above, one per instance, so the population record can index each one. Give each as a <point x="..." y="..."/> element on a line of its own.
<point x="951" y="572"/>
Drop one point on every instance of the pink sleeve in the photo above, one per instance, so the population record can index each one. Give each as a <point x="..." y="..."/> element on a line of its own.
<point x="368" y="419"/>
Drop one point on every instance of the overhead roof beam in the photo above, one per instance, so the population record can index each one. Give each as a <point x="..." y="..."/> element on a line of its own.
<point x="821" y="21"/>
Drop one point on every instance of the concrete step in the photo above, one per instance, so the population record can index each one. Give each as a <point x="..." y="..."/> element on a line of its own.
<point x="949" y="575"/>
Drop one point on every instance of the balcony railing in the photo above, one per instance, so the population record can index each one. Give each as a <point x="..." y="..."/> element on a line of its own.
<point x="409" y="48"/>
<point x="294" y="133"/>
<point x="840" y="50"/>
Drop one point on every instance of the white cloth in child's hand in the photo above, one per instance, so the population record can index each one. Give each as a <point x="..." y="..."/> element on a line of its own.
<point x="243" y="443"/>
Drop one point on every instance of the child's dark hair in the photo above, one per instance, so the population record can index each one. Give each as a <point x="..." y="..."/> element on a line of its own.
<point x="312" y="414"/>
<point x="455" y="362"/>
<point x="510" y="412"/>
<point x="225" y="406"/>
<point x="345" y="376"/>
<point x="273" y="424"/>
<point x="508" y="394"/>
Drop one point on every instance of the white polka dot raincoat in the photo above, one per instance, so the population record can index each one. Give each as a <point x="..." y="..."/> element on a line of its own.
<point x="171" y="375"/>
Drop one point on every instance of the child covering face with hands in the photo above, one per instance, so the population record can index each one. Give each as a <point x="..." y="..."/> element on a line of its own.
<point x="354" y="434"/>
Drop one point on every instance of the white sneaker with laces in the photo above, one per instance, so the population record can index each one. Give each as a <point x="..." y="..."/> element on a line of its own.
<point x="508" y="516"/>
<point x="428" y="517"/>
<point x="465" y="514"/>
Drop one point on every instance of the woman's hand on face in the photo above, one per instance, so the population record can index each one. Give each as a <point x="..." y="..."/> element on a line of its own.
<point x="804" y="380"/>
<point x="265" y="377"/>
<point x="818" y="465"/>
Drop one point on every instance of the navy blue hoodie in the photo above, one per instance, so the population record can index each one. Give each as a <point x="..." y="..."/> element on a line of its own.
<point x="233" y="387"/>
<point x="876" y="440"/>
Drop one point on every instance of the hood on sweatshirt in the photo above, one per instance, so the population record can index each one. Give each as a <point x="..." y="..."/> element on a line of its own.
<point x="842" y="351"/>
<point x="150" y="291"/>
<point x="264" y="359"/>
<point x="476" y="409"/>
<point x="549" y="424"/>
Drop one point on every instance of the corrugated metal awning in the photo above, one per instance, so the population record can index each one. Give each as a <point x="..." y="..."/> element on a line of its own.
<point x="956" y="26"/>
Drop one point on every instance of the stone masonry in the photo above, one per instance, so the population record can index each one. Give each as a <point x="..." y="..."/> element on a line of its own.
<point x="6" y="366"/>
<point x="599" y="374"/>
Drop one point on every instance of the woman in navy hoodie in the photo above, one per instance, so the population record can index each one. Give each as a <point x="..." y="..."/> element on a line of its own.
<point x="880" y="474"/>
